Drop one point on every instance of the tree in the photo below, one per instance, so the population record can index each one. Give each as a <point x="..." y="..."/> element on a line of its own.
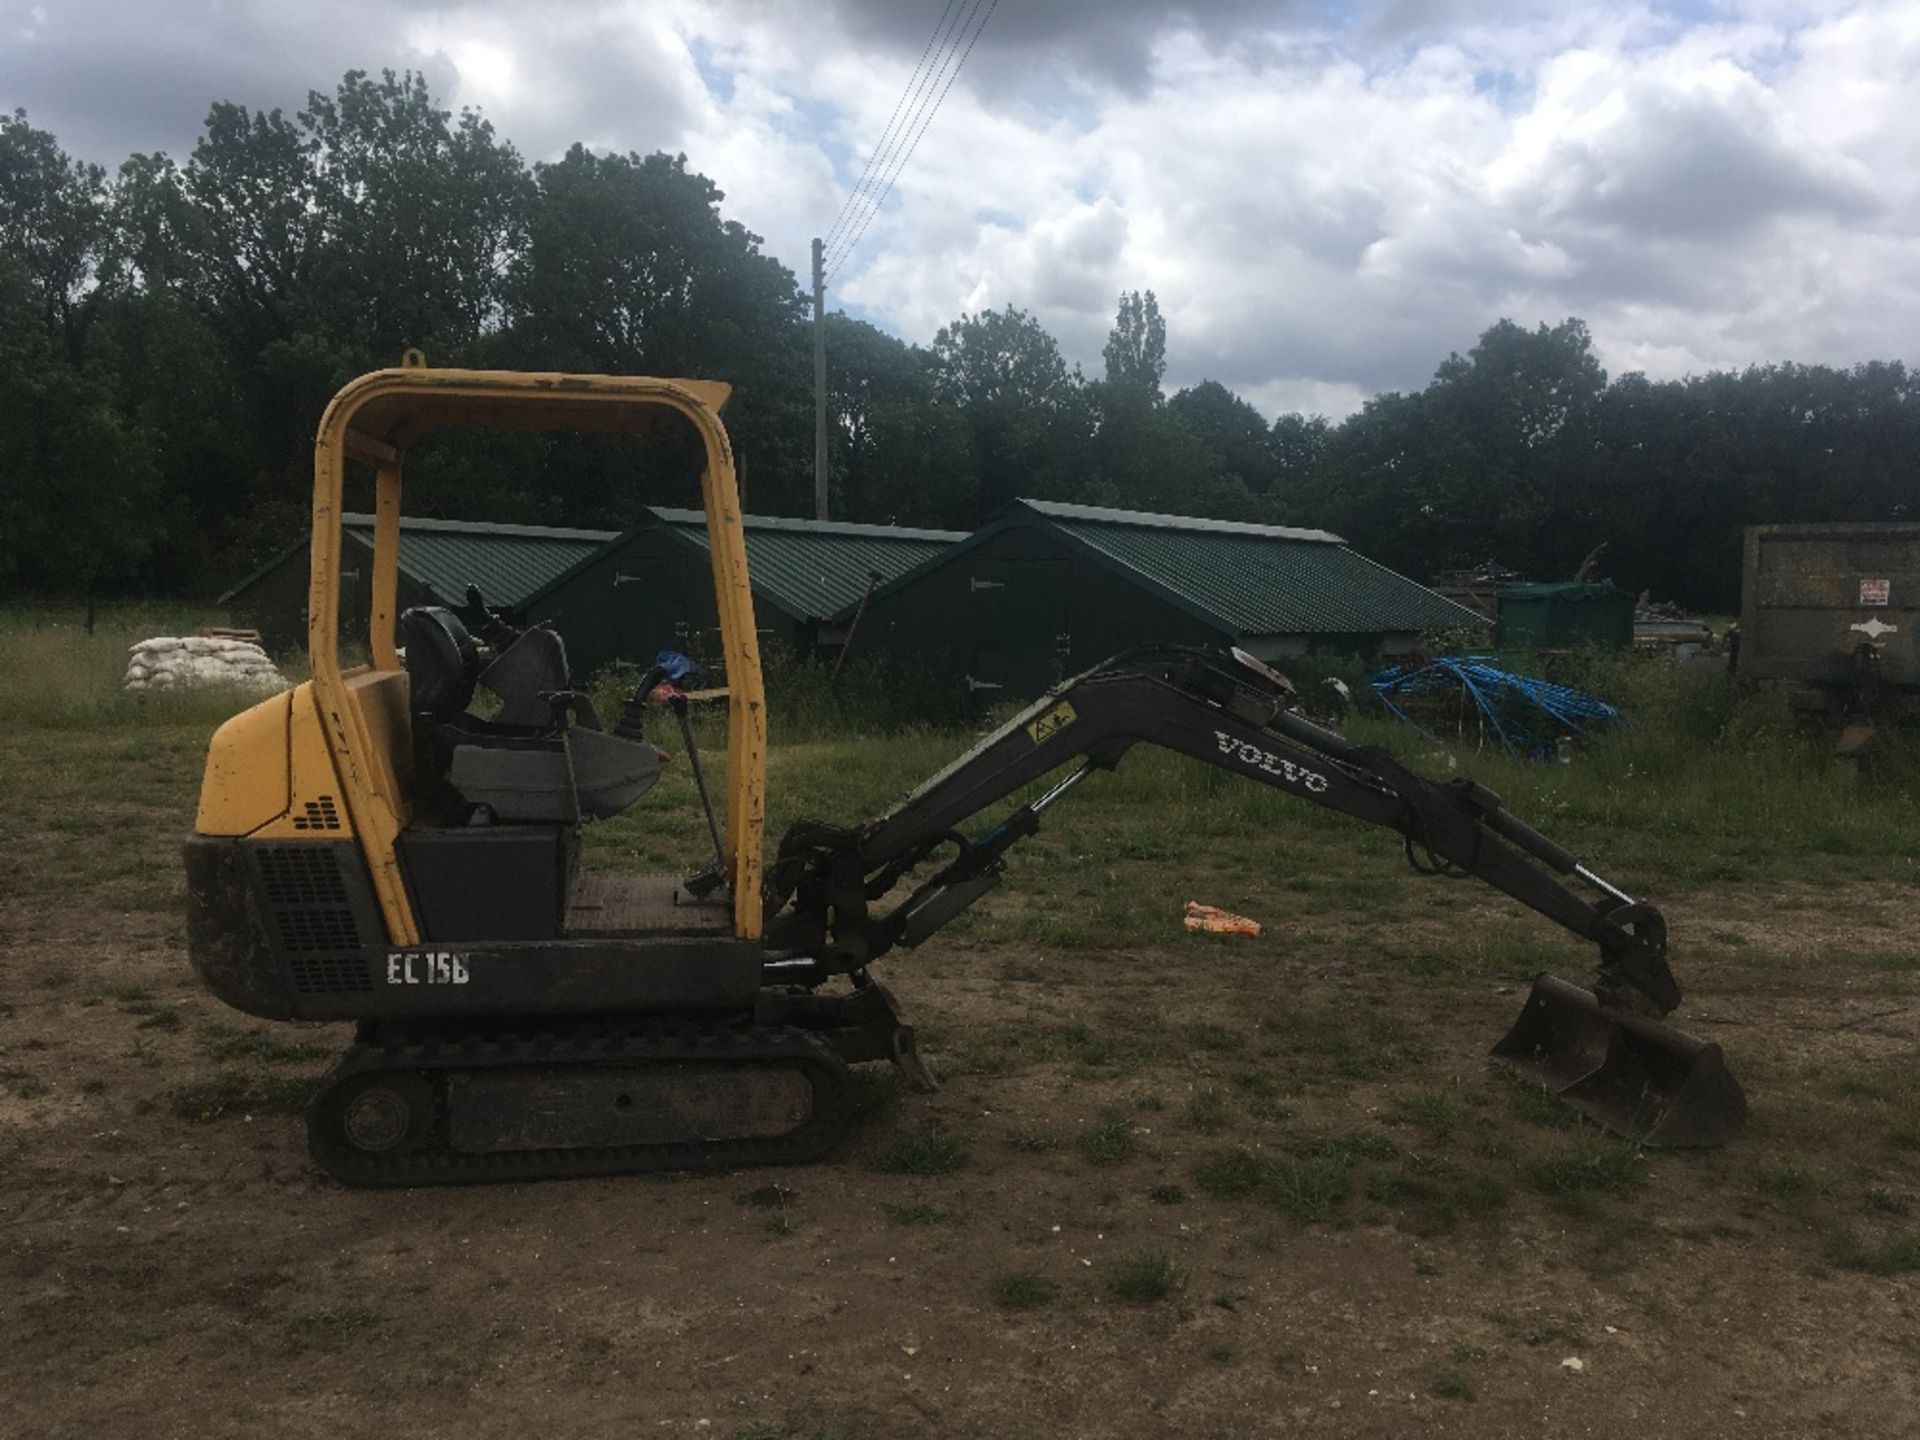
<point x="423" y="214"/>
<point x="1027" y="422"/>
<point x="630" y="269"/>
<point x="52" y="222"/>
<point x="1233" y="430"/>
<point x="897" y="457"/>
<point x="77" y="508"/>
<point x="1136" y="350"/>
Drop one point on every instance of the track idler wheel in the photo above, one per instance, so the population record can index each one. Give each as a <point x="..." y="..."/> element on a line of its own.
<point x="381" y="1116"/>
<point x="1635" y="1075"/>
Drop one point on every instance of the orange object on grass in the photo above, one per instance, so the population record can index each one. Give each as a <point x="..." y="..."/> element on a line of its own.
<point x="1215" y="921"/>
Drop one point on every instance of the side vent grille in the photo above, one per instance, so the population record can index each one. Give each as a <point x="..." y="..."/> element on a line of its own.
<point x="320" y="814"/>
<point x="330" y="974"/>
<point x="307" y="896"/>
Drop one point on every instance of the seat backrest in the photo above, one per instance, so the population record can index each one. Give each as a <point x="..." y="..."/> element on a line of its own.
<point x="535" y="663"/>
<point x="442" y="661"/>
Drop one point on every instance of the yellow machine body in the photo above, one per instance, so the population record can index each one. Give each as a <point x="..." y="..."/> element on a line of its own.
<point x="331" y="758"/>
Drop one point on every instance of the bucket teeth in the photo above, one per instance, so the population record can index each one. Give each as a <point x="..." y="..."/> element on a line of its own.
<point x="1637" y="1076"/>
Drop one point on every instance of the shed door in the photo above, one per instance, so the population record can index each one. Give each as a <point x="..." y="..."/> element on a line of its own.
<point x="1018" y="618"/>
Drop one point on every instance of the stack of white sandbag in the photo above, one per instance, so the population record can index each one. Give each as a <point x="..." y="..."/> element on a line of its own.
<point x="179" y="663"/>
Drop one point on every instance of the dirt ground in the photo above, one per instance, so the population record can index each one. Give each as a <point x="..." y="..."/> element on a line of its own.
<point x="163" y="1275"/>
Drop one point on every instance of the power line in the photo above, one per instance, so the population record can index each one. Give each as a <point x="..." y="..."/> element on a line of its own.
<point x="916" y="124"/>
<point x="847" y="247"/>
<point x="873" y="160"/>
<point x="945" y="44"/>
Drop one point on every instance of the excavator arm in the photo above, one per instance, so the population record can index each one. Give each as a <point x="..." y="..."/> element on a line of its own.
<point x="829" y="887"/>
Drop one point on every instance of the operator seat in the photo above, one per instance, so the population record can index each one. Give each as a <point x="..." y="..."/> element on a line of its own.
<point x="442" y="661"/>
<point x="529" y="766"/>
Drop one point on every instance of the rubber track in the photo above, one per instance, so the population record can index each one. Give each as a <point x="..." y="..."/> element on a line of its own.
<point x="443" y="1053"/>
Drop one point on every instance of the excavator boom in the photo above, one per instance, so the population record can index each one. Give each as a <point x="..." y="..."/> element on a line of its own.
<point x="1604" y="1050"/>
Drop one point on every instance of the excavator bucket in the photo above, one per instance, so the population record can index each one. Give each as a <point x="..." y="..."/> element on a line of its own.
<point x="1636" y="1076"/>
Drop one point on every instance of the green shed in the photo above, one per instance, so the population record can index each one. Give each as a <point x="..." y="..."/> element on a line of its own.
<point x="1564" y="615"/>
<point x="1046" y="589"/>
<point x="651" y="588"/>
<point x="438" y="560"/>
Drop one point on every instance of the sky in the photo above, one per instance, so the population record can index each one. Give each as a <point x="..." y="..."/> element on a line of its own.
<point x="1327" y="199"/>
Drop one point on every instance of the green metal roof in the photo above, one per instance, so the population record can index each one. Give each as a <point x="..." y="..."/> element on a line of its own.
<point x="814" y="568"/>
<point x="507" y="562"/>
<point x="1243" y="579"/>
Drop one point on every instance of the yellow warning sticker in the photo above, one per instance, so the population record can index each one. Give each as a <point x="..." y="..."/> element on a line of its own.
<point x="1052" y="723"/>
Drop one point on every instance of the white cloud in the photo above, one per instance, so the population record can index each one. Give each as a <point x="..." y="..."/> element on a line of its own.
<point x="1325" y="209"/>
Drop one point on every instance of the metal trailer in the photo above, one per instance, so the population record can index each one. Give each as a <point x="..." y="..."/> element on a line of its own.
<point x="1833" y="610"/>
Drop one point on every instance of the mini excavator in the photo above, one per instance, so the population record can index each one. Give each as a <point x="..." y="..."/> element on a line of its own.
<point x="370" y="846"/>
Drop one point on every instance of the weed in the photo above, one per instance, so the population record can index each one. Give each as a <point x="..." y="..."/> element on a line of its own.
<point x="760" y="1430"/>
<point x="1905" y="1134"/>
<point x="1451" y="1384"/>
<point x="229" y="1042"/>
<point x="1345" y="1149"/>
<point x="1308" y="1190"/>
<point x="872" y="1094"/>
<point x="1220" y="1355"/>
<point x="1207" y="1111"/>
<point x="1536" y="1105"/>
<point x="1109" y="1142"/>
<point x="1885" y="1200"/>
<point x="1021" y="1289"/>
<point x="1205" y="1035"/>
<point x="768" y="1197"/>
<point x="1167" y="1195"/>
<point x="1229" y="1174"/>
<point x="1031" y="1139"/>
<point x="926" y="1149"/>
<point x="1433" y="1111"/>
<point x="26" y="1086"/>
<point x="165" y="1018"/>
<point x="1142" y="1278"/>
<point x="329" y="1328"/>
<point x="1586" y="1166"/>
<point x="1892" y="1254"/>
<point x="1785" y="1179"/>
<point x="236" y="1092"/>
<point x="914" y="1212"/>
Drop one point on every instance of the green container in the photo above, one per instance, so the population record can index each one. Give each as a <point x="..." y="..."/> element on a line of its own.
<point x="1565" y="615"/>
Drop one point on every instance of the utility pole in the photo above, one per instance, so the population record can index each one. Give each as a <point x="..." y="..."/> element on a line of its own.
<point x="819" y="383"/>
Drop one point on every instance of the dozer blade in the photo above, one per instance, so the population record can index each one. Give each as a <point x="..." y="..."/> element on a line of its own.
<point x="1636" y="1076"/>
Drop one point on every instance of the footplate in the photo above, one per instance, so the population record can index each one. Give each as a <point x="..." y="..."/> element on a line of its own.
<point x="464" y="1108"/>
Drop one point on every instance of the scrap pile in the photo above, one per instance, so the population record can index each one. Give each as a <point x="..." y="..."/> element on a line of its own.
<point x="169" y="662"/>
<point x="1662" y="624"/>
<point x="1476" y="700"/>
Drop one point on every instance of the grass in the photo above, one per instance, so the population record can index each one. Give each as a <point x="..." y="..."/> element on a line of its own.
<point x="1896" y="1253"/>
<point x="1700" y="789"/>
<point x="928" y="1148"/>
<point x="1451" y="1383"/>
<point x="53" y="674"/>
<point x="1308" y="1189"/>
<point x="1142" y="1278"/>
<point x="1021" y="1290"/>
<point x="239" y="1092"/>
<point x="1109" y="1140"/>
<point x="914" y="1212"/>
<point x="1585" y="1166"/>
<point x="1032" y="1139"/>
<point x="1207" y="1110"/>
